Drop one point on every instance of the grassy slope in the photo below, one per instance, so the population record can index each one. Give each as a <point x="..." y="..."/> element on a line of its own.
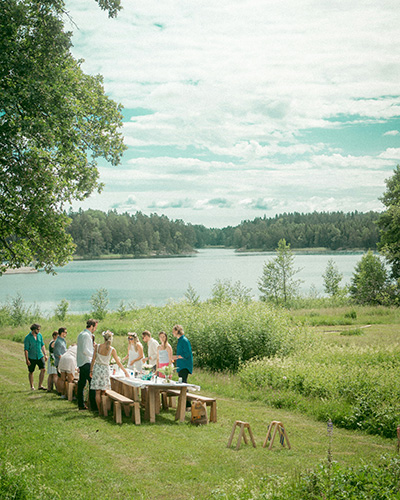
<point x="77" y="455"/>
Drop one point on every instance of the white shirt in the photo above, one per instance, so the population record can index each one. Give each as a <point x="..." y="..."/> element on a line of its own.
<point x="152" y="346"/>
<point x="84" y="352"/>
<point x="68" y="360"/>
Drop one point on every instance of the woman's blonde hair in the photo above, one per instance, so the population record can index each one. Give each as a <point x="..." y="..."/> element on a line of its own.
<point x="108" y="337"/>
<point x="134" y="336"/>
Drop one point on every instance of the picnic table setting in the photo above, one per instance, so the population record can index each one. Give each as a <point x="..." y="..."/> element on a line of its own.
<point x="151" y="386"/>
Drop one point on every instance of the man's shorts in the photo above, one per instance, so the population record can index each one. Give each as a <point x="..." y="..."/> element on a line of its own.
<point x="36" y="362"/>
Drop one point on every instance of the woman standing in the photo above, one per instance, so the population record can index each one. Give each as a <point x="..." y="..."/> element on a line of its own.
<point x="51" y="368"/>
<point x="164" y="353"/>
<point x="135" y="353"/>
<point x="100" y="367"/>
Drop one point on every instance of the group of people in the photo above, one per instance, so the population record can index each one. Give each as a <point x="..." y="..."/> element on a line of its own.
<point x="93" y="360"/>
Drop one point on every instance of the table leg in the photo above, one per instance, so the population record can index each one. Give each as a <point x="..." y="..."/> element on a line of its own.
<point x="151" y="395"/>
<point x="180" y="411"/>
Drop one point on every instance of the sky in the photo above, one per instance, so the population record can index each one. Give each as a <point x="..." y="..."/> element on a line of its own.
<point x="243" y="108"/>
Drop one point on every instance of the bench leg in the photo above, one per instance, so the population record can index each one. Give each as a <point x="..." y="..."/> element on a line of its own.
<point x="117" y="412"/>
<point x="106" y="404"/>
<point x="213" y="412"/>
<point x="71" y="387"/>
<point x="171" y="401"/>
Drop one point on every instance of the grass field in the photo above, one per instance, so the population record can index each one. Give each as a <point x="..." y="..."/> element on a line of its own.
<point x="49" y="446"/>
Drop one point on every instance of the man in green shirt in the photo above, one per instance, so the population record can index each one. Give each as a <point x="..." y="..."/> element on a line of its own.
<point x="35" y="355"/>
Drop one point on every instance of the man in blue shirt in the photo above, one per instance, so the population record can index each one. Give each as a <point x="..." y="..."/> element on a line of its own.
<point x="184" y="356"/>
<point x="35" y="355"/>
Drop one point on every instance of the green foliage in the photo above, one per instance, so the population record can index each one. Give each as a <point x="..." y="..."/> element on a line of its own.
<point x="17" y="313"/>
<point x="355" y="331"/>
<point x="226" y="292"/>
<point x="329" y="482"/>
<point x="335" y="230"/>
<point x="192" y="296"/>
<point x="369" y="283"/>
<point x="96" y="233"/>
<point x="277" y="281"/>
<point x="122" y="310"/>
<point x="55" y="121"/>
<point x="223" y="335"/>
<point x="112" y="6"/>
<point x="332" y="278"/>
<point x="99" y="301"/>
<point x="389" y="223"/>
<point x="61" y="309"/>
<point x="358" y="388"/>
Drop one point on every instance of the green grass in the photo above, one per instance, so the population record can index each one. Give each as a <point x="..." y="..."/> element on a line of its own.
<point x="75" y="455"/>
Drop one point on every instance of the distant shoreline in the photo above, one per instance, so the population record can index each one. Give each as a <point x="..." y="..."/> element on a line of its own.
<point x="21" y="270"/>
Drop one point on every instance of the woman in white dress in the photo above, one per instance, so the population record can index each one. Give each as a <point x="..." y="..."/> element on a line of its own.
<point x="100" y="367"/>
<point x="135" y="353"/>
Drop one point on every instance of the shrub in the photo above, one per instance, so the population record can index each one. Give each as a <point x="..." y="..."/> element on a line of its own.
<point x="328" y="481"/>
<point x="358" y="388"/>
<point x="99" y="301"/>
<point x="61" y="310"/>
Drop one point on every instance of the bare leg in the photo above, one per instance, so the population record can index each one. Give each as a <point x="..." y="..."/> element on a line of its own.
<point x="30" y="376"/>
<point x="98" y="400"/>
<point x="41" y="377"/>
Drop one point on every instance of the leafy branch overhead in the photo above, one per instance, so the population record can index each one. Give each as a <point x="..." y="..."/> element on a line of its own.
<point x="55" y="121"/>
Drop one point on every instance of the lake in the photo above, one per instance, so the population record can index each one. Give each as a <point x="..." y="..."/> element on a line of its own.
<point x="158" y="280"/>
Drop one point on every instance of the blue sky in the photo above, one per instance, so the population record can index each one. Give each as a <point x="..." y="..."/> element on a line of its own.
<point x="236" y="109"/>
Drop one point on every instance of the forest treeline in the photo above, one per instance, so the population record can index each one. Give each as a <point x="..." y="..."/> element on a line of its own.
<point x="98" y="233"/>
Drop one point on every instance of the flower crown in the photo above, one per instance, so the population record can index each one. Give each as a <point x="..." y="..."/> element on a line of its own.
<point x="107" y="335"/>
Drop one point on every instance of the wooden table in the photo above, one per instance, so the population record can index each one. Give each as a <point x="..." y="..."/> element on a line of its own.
<point x="128" y="386"/>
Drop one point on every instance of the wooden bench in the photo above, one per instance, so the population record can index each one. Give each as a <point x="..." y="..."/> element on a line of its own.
<point x="71" y="389"/>
<point x="212" y="402"/>
<point x="120" y="401"/>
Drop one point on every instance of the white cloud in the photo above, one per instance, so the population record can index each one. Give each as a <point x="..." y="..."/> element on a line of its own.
<point x="232" y="85"/>
<point x="391" y="153"/>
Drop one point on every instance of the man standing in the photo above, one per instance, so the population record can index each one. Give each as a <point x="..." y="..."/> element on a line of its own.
<point x="35" y="355"/>
<point x="84" y="357"/>
<point x="184" y="356"/>
<point x="152" y="346"/>
<point x="60" y="346"/>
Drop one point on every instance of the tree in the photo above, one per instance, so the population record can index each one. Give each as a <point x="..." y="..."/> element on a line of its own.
<point x="369" y="284"/>
<point x="277" y="281"/>
<point x="332" y="278"/>
<point x="99" y="301"/>
<point x="389" y="223"/>
<point x="55" y="121"/>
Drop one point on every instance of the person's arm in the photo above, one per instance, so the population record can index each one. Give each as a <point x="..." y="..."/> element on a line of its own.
<point x="44" y="352"/>
<point x="169" y="350"/>
<point x="43" y="348"/>
<point x="56" y="351"/>
<point x="92" y="363"/>
<point x="126" y="357"/>
<point x="115" y="356"/>
<point x="28" y="363"/>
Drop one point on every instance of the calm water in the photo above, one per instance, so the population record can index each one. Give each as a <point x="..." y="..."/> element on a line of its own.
<point x="155" y="281"/>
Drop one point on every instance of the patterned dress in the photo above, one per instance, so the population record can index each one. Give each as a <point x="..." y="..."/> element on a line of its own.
<point x="101" y="371"/>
